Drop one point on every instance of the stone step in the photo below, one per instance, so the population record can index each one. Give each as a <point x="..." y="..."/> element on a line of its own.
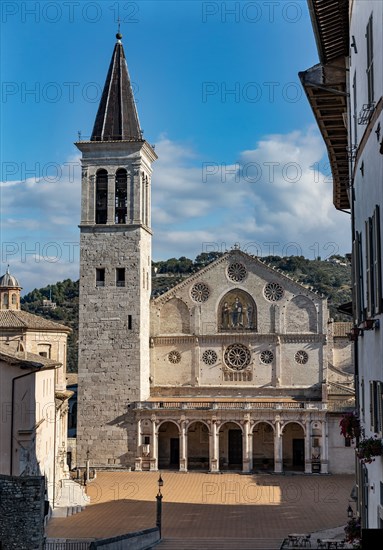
<point x="218" y="544"/>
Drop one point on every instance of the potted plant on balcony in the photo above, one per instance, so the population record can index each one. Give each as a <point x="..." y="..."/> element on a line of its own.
<point x="368" y="449"/>
<point x="350" y="426"/>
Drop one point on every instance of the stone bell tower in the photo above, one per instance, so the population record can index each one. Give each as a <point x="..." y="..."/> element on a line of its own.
<point x="115" y="274"/>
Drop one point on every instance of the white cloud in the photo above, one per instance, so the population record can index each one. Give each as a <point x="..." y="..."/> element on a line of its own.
<point x="267" y="198"/>
<point x="275" y="193"/>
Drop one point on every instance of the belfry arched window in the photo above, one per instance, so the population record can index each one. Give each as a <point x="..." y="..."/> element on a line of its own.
<point x="101" y="196"/>
<point x="121" y="196"/>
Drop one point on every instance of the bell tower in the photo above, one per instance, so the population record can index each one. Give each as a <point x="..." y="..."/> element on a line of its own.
<point x="9" y="291"/>
<point x="115" y="273"/>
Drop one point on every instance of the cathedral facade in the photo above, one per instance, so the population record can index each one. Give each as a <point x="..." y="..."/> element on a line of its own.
<point x="238" y="367"/>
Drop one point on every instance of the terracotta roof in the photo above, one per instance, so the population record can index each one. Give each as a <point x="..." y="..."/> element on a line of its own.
<point x="325" y="87"/>
<point x="342" y="329"/>
<point x="117" y="117"/>
<point x="329" y="19"/>
<point x="9" y="354"/>
<point x="22" y="319"/>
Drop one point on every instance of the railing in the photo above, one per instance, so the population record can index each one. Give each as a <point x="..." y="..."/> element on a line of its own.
<point x="54" y="544"/>
<point x="221" y="405"/>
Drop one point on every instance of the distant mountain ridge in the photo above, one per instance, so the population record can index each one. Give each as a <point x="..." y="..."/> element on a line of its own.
<point x="331" y="277"/>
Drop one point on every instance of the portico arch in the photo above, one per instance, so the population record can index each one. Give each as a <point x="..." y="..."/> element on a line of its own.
<point x="168" y="445"/>
<point x="231" y="446"/>
<point x="198" y="445"/>
<point x="263" y="446"/>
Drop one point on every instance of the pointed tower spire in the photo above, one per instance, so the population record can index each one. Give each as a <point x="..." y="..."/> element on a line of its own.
<point x="117" y="117"/>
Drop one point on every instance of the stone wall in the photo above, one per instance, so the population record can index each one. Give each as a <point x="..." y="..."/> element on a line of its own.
<point x="114" y="343"/>
<point x="22" y="512"/>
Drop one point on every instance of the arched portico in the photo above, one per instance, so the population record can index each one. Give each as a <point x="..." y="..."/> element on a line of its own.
<point x="243" y="443"/>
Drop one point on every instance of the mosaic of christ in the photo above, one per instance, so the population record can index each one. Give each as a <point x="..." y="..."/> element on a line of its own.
<point x="237" y="311"/>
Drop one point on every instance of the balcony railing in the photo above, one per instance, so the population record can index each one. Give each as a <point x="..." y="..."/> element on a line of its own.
<point x="229" y="405"/>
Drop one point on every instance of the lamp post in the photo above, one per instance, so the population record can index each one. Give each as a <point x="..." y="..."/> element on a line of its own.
<point x="159" y="505"/>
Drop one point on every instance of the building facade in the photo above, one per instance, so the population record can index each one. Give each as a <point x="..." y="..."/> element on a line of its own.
<point x="33" y="396"/>
<point x="348" y="84"/>
<point x="237" y="367"/>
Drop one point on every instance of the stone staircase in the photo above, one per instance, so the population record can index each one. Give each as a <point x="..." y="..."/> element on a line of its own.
<point x="218" y="544"/>
<point x="71" y="499"/>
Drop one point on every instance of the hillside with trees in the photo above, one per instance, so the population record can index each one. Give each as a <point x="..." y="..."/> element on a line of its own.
<point x="331" y="277"/>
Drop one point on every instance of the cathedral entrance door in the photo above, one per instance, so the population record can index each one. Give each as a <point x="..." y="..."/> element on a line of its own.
<point x="235" y="448"/>
<point x="174" y="452"/>
<point x="298" y="452"/>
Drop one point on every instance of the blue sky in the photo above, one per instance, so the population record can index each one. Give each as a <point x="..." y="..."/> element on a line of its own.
<point x="217" y="91"/>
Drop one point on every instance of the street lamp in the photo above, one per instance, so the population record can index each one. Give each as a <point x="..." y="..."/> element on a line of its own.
<point x="159" y="504"/>
<point x="350" y="512"/>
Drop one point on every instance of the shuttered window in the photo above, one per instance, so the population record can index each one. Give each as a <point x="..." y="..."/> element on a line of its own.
<point x="358" y="298"/>
<point x="370" y="60"/>
<point x="370" y="285"/>
<point x="377" y="260"/>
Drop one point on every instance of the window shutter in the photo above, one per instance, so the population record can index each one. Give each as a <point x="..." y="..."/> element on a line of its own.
<point x="369" y="269"/>
<point x="377" y="260"/>
<point x="379" y="411"/>
<point x="357" y="279"/>
<point x="372" y="412"/>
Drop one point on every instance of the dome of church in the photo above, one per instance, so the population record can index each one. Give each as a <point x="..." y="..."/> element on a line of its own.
<point x="8" y="280"/>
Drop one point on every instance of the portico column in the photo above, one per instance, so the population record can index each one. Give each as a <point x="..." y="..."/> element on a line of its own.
<point x="154" y="457"/>
<point x="214" y="448"/>
<point x="324" y="453"/>
<point x="247" y="465"/>
<point x="278" y="449"/>
<point x="138" y="461"/>
<point x="308" y="468"/>
<point x="183" y="447"/>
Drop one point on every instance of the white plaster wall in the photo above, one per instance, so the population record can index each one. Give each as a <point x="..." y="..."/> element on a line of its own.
<point x="368" y="193"/>
<point x="341" y="458"/>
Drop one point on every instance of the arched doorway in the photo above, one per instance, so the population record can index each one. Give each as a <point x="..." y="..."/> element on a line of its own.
<point x="230" y="446"/>
<point x="168" y="446"/>
<point x="263" y="447"/>
<point x="293" y="443"/>
<point x="198" y="446"/>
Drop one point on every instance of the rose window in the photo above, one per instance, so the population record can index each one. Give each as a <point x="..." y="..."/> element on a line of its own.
<point x="301" y="357"/>
<point x="209" y="357"/>
<point x="174" y="356"/>
<point x="200" y="292"/>
<point x="273" y="292"/>
<point x="267" y="357"/>
<point x="237" y="356"/>
<point x="236" y="272"/>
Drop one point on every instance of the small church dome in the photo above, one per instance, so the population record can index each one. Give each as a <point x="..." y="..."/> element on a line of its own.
<point x="9" y="281"/>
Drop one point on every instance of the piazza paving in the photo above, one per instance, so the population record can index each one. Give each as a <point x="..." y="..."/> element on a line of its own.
<point x="202" y="505"/>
